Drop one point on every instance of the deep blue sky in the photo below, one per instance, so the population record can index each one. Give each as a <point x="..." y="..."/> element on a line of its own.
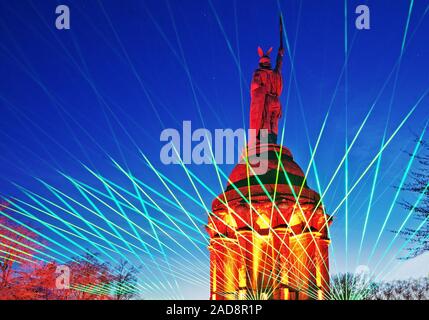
<point x="67" y="96"/>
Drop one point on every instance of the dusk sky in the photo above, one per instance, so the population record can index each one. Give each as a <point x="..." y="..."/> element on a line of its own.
<point x="103" y="91"/>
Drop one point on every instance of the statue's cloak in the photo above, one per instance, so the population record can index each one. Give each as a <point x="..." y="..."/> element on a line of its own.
<point x="265" y="108"/>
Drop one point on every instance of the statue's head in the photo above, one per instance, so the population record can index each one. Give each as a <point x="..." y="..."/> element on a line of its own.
<point x="264" y="58"/>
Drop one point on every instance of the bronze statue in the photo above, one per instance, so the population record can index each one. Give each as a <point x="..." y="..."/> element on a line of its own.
<point x="265" y="90"/>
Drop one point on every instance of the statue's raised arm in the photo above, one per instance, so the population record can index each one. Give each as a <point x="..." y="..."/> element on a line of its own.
<point x="280" y="53"/>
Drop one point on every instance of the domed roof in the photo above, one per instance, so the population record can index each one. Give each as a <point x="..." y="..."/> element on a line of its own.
<point x="256" y="171"/>
<point x="263" y="174"/>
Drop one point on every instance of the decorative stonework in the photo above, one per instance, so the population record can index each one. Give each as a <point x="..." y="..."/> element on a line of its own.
<point x="268" y="250"/>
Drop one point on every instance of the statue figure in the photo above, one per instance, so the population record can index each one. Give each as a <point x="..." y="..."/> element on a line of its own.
<point x="265" y="90"/>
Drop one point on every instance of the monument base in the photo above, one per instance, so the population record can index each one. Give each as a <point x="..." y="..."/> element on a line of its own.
<point x="268" y="232"/>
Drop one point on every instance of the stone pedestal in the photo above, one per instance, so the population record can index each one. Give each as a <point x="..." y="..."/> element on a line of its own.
<point x="266" y="242"/>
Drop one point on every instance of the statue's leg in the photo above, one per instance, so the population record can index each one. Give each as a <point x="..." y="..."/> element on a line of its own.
<point x="274" y="122"/>
<point x="265" y="119"/>
<point x="275" y="116"/>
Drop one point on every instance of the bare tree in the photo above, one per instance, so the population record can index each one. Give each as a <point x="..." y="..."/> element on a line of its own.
<point x="418" y="236"/>
<point x="349" y="286"/>
<point x="124" y="281"/>
<point x="412" y="289"/>
<point x="17" y="246"/>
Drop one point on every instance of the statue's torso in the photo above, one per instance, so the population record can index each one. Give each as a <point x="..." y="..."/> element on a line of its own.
<point x="270" y="80"/>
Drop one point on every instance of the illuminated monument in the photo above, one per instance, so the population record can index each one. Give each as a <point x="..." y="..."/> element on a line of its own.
<point x="268" y="232"/>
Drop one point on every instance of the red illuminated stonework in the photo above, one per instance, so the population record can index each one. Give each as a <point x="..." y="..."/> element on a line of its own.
<point x="268" y="232"/>
<point x="260" y="249"/>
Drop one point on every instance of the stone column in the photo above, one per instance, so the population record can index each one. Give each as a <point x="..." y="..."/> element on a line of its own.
<point x="215" y="269"/>
<point x="245" y="241"/>
<point x="322" y="262"/>
<point x="223" y="268"/>
<point x="281" y="263"/>
<point x="303" y="271"/>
